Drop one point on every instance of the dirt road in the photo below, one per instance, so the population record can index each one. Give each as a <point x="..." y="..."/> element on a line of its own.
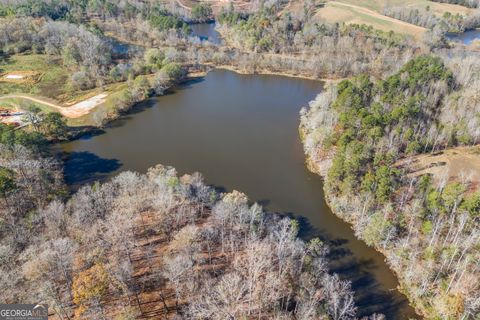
<point x="75" y="111"/>
<point x="457" y="164"/>
<point x="377" y="15"/>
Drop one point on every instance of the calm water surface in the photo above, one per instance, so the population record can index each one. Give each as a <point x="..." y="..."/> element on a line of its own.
<point x="466" y="37"/>
<point x="206" y="31"/>
<point x="240" y="132"/>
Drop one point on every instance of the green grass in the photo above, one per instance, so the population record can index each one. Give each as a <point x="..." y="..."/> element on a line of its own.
<point x="52" y="83"/>
<point x="19" y="103"/>
<point x="52" y="76"/>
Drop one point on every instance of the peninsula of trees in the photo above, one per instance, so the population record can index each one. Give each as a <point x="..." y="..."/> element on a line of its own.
<point x="355" y="134"/>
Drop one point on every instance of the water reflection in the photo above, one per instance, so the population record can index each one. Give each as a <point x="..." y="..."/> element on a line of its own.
<point x="206" y="32"/>
<point x="466" y="37"/>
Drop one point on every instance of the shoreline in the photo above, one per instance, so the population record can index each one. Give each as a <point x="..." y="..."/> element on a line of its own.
<point x="276" y="73"/>
<point x="315" y="168"/>
<point x="192" y="76"/>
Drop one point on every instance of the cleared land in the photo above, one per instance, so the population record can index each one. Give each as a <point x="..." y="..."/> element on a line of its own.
<point x="456" y="164"/>
<point x="436" y="7"/>
<point x="42" y="81"/>
<point x="41" y="75"/>
<point x="370" y="12"/>
<point x="75" y="111"/>
<point x="352" y="14"/>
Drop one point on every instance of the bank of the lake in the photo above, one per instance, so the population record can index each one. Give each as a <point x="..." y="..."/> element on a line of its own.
<point x="321" y="167"/>
<point x="275" y="73"/>
<point x="466" y="38"/>
<point x="241" y="132"/>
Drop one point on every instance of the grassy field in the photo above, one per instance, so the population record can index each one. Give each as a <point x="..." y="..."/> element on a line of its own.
<point x="378" y="5"/>
<point x="94" y="118"/>
<point x="370" y="12"/>
<point x="49" y="81"/>
<point x="22" y="104"/>
<point x="101" y="112"/>
<point x="47" y="78"/>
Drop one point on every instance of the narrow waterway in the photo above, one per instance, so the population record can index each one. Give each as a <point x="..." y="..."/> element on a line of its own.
<point x="240" y="132"/>
<point x="466" y="37"/>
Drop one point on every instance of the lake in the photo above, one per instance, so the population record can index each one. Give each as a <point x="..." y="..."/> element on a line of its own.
<point x="241" y="133"/>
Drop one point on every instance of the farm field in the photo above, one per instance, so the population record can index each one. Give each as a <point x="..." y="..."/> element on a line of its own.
<point x="370" y="13"/>
<point x="340" y="12"/>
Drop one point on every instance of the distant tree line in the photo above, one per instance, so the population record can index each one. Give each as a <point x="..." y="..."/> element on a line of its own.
<point x="448" y="22"/>
<point x="340" y="50"/>
<point x="81" y="11"/>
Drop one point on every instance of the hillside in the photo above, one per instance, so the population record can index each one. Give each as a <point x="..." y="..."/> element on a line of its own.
<point x="373" y="13"/>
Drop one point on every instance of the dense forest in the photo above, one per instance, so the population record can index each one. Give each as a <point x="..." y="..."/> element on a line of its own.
<point x="355" y="133"/>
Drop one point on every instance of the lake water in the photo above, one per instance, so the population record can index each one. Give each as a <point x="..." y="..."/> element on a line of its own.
<point x="466" y="37"/>
<point x="240" y="132"/>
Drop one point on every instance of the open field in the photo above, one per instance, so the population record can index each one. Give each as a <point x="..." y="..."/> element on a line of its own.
<point x="47" y="75"/>
<point x="456" y="164"/>
<point x="88" y="112"/>
<point x="352" y="14"/>
<point x="370" y="12"/>
<point x="74" y="111"/>
<point x="40" y="75"/>
<point x="41" y="81"/>
<point x="379" y="5"/>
